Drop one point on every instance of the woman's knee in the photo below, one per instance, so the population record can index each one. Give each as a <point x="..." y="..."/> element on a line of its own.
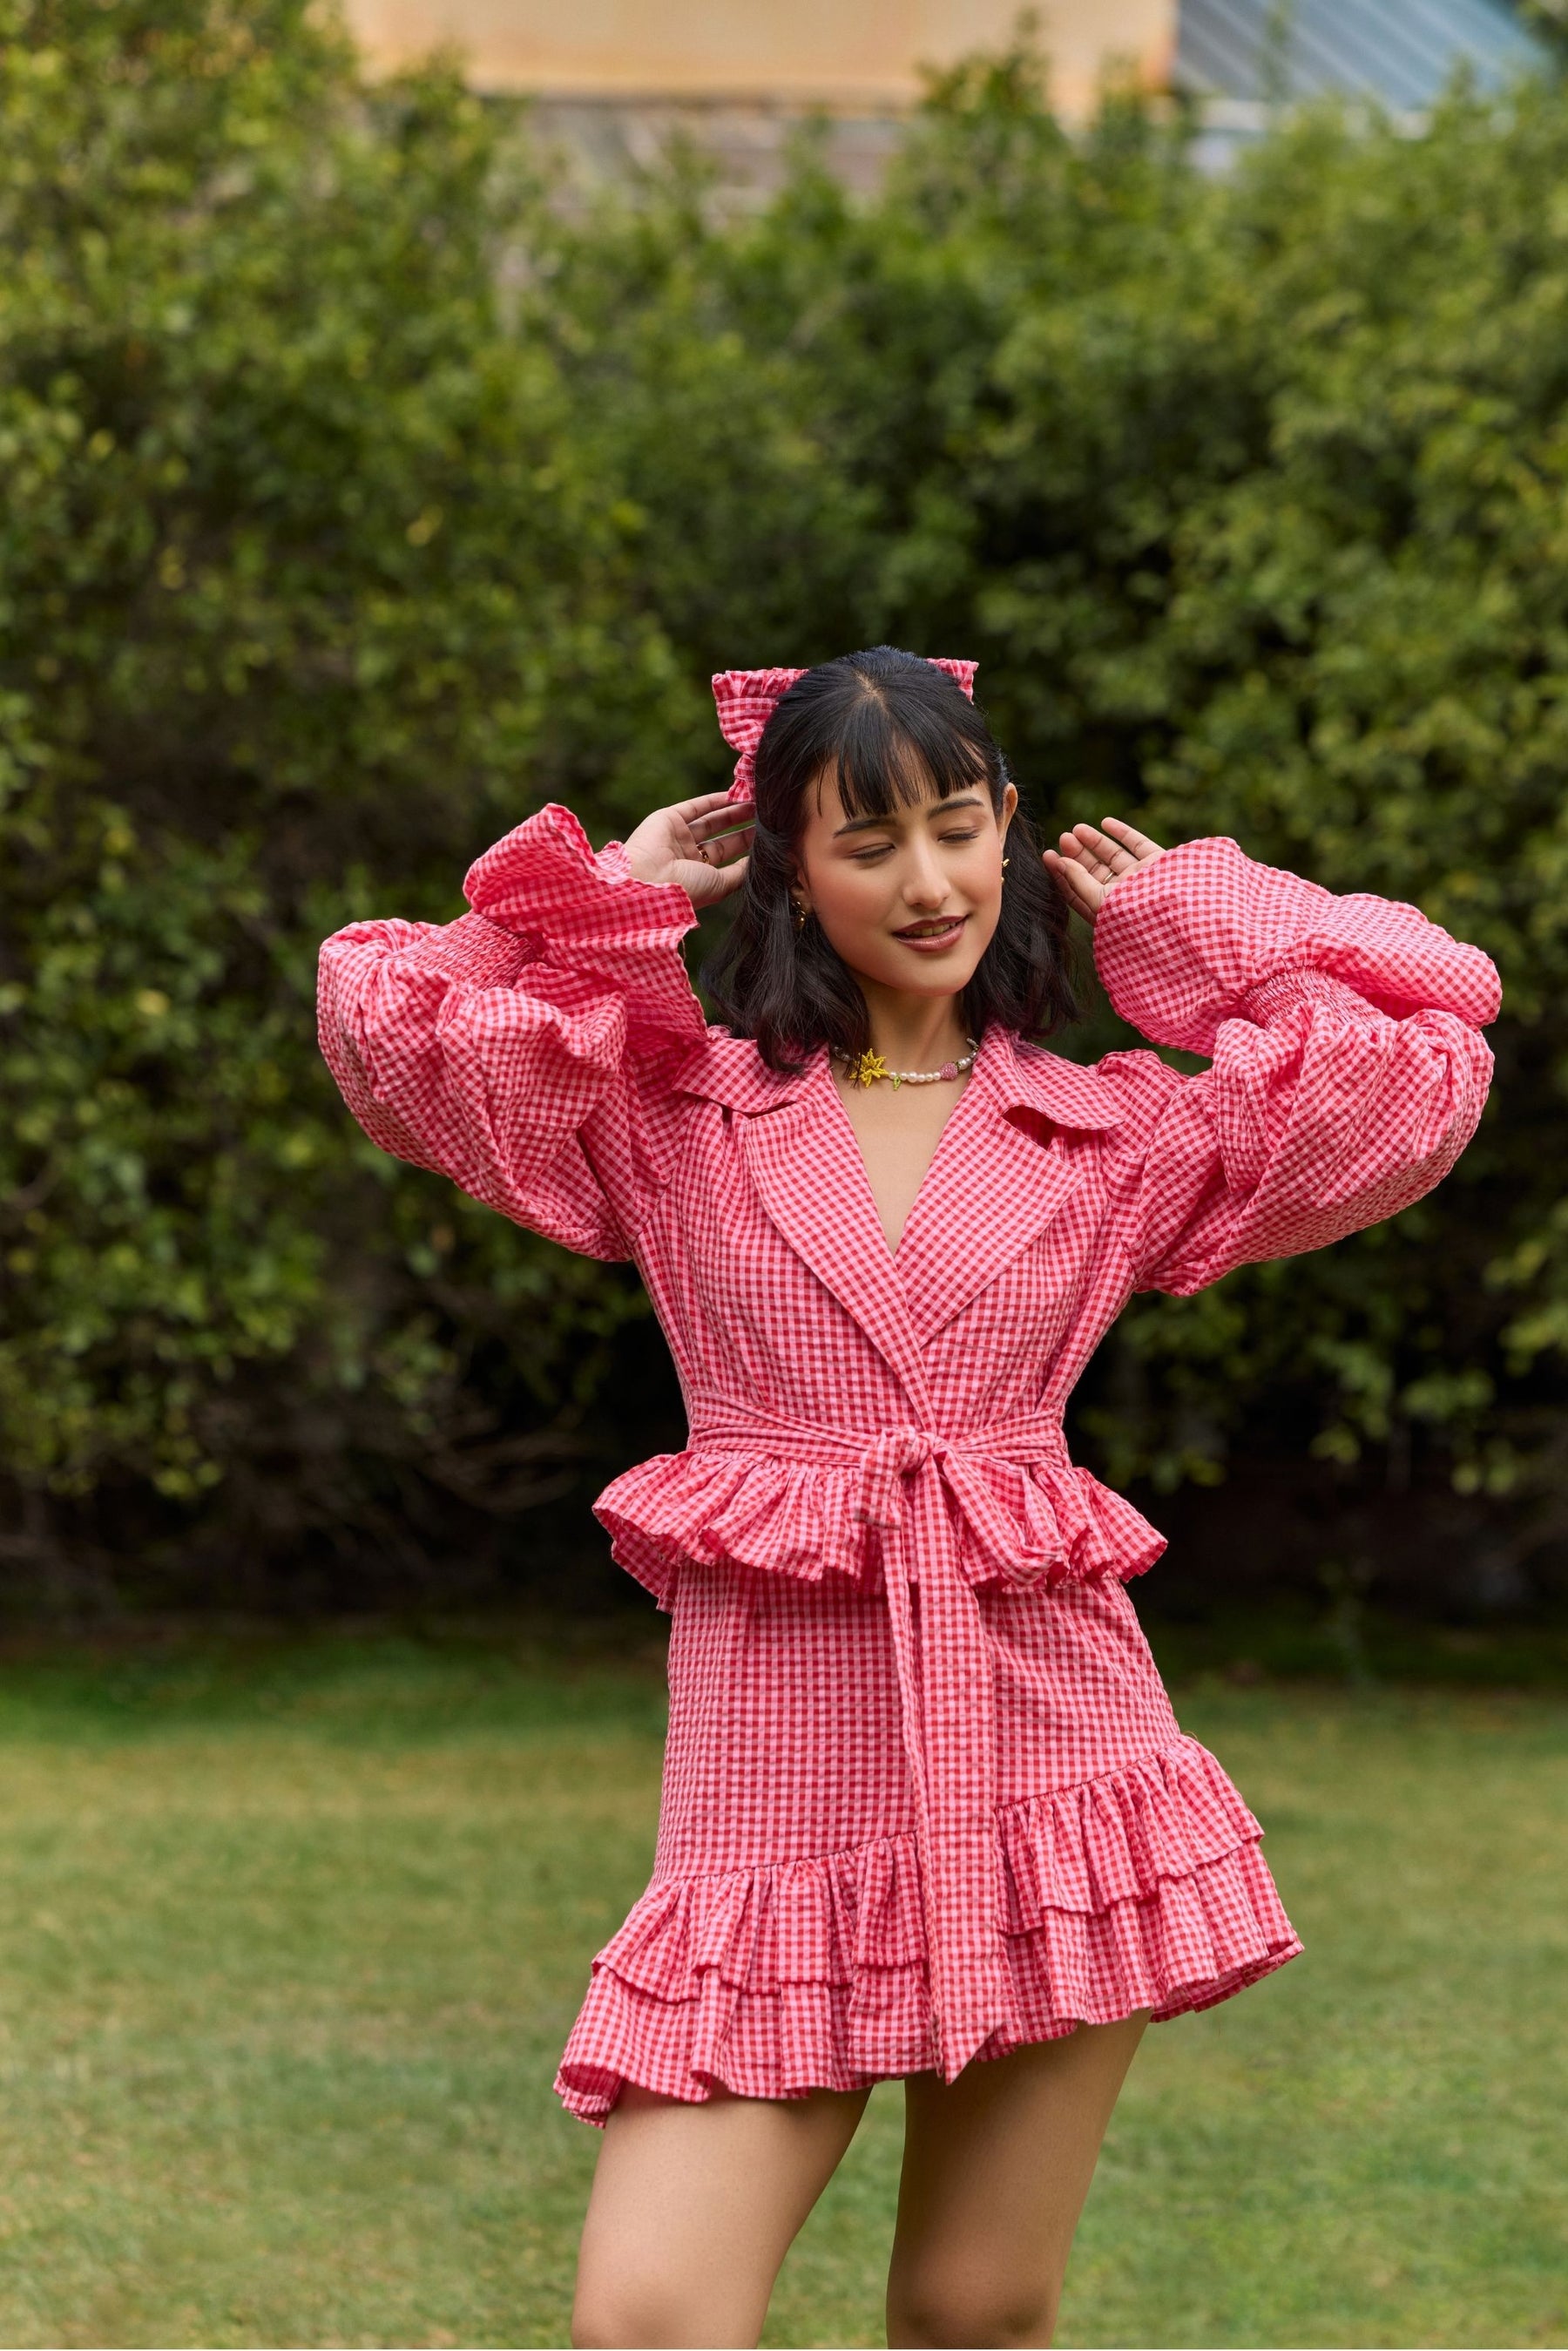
<point x="601" y="2319"/>
<point x="630" y="2314"/>
<point x="970" y="2310"/>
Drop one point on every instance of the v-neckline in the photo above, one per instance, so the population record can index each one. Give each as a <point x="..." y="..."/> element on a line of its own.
<point x="825" y="1078"/>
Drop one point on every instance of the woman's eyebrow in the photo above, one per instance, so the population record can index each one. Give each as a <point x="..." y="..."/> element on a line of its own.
<point x="940" y="808"/>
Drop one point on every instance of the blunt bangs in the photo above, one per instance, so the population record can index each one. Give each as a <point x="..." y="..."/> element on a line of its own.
<point x="891" y="755"/>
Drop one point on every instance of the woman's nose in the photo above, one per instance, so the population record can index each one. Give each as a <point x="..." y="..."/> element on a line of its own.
<point x="925" y="883"/>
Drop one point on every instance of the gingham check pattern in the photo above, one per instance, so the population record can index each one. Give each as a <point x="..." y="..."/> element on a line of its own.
<point x="746" y="699"/>
<point x="925" y="1798"/>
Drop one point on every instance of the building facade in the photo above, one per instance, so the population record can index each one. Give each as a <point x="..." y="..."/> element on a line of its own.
<point x="613" y="77"/>
<point x="835" y="54"/>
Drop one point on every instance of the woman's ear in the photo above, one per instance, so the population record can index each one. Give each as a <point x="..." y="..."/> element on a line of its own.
<point x="1009" y="802"/>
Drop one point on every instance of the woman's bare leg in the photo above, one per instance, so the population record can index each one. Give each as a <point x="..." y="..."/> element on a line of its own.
<point x="693" y="2210"/>
<point x="996" y="2168"/>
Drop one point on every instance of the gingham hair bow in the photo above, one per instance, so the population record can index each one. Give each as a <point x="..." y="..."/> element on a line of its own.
<point x="747" y="698"/>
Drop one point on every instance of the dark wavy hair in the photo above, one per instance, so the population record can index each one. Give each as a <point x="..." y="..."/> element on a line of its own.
<point x="880" y="722"/>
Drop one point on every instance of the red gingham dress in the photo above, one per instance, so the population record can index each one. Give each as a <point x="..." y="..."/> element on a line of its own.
<point x="925" y="1799"/>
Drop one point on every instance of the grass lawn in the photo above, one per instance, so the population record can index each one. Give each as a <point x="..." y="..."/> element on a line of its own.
<point x="291" y="1935"/>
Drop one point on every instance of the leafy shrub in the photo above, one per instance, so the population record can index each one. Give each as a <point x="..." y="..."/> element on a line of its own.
<point x="308" y="590"/>
<point x="359" y="500"/>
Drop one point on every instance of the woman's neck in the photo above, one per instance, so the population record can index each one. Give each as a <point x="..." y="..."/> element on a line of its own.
<point x="914" y="1033"/>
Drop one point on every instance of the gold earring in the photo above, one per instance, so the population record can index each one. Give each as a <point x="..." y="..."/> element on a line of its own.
<point x="1005" y="863"/>
<point x="800" y="917"/>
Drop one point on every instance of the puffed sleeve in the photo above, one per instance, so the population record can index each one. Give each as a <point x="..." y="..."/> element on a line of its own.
<point x="1347" y="1074"/>
<point x="519" y="1050"/>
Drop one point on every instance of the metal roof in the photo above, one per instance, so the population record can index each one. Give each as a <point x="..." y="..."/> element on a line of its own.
<point x="1400" y="51"/>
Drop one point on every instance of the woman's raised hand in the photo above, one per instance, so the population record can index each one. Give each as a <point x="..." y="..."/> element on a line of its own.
<point x="1091" y="860"/>
<point x="700" y="843"/>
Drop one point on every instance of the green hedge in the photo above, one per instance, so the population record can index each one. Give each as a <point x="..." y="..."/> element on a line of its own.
<point x="359" y="499"/>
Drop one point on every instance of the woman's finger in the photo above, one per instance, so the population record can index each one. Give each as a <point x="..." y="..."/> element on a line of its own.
<point x="1115" y="856"/>
<point x="1082" y="859"/>
<point x="1082" y="888"/>
<point x="724" y="826"/>
<point x="706" y="883"/>
<point x="1074" y="851"/>
<point x="703" y="803"/>
<point x="718" y="852"/>
<point x="1139" y="843"/>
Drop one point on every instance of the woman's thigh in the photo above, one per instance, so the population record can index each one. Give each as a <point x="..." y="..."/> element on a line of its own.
<point x="996" y="2168"/>
<point x="694" y="2207"/>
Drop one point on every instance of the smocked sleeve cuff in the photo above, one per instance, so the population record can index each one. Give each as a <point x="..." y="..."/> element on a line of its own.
<point x="1204" y="933"/>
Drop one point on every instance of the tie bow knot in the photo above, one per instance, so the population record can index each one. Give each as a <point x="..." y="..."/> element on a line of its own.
<point x="893" y="1454"/>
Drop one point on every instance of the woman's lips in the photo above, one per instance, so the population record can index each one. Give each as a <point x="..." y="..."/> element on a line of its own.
<point x="932" y="942"/>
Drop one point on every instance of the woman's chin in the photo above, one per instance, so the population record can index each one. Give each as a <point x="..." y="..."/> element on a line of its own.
<point x="942" y="976"/>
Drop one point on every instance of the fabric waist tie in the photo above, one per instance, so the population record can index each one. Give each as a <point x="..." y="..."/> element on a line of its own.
<point x="922" y="1487"/>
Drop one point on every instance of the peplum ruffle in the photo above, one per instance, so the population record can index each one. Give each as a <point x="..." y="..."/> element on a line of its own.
<point x="793" y="1518"/>
<point x="1142" y="1888"/>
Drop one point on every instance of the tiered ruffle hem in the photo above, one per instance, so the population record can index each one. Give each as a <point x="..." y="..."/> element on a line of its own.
<point x="1142" y="1888"/>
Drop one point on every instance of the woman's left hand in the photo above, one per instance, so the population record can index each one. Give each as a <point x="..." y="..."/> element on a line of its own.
<point x="1091" y="860"/>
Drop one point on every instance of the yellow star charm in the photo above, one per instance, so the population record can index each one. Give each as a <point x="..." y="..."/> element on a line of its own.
<point x="869" y="1066"/>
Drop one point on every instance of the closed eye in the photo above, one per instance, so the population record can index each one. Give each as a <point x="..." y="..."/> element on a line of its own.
<point x="865" y="856"/>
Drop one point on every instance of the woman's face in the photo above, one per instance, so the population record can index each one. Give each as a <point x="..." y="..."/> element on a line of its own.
<point x="909" y="900"/>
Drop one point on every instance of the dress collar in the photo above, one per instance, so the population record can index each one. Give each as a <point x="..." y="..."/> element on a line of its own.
<point x="1013" y="1073"/>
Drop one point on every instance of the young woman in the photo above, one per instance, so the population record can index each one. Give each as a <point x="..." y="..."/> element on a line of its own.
<point x="927" y="1811"/>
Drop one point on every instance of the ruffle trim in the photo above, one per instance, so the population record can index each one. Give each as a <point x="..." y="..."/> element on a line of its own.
<point x="1144" y="1888"/>
<point x="792" y="1518"/>
<point x="591" y="917"/>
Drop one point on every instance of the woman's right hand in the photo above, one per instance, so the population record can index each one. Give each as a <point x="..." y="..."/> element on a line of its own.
<point x="700" y="843"/>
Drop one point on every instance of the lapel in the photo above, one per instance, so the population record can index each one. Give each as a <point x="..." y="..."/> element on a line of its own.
<point x="1007" y="1160"/>
<point x="1000" y="1172"/>
<point x="811" y="1179"/>
<point x="801" y="1153"/>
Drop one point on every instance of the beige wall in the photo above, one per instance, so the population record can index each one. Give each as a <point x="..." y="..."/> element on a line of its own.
<point x="840" y="53"/>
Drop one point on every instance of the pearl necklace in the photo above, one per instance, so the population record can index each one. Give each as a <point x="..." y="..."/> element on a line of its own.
<point x="864" y="1067"/>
